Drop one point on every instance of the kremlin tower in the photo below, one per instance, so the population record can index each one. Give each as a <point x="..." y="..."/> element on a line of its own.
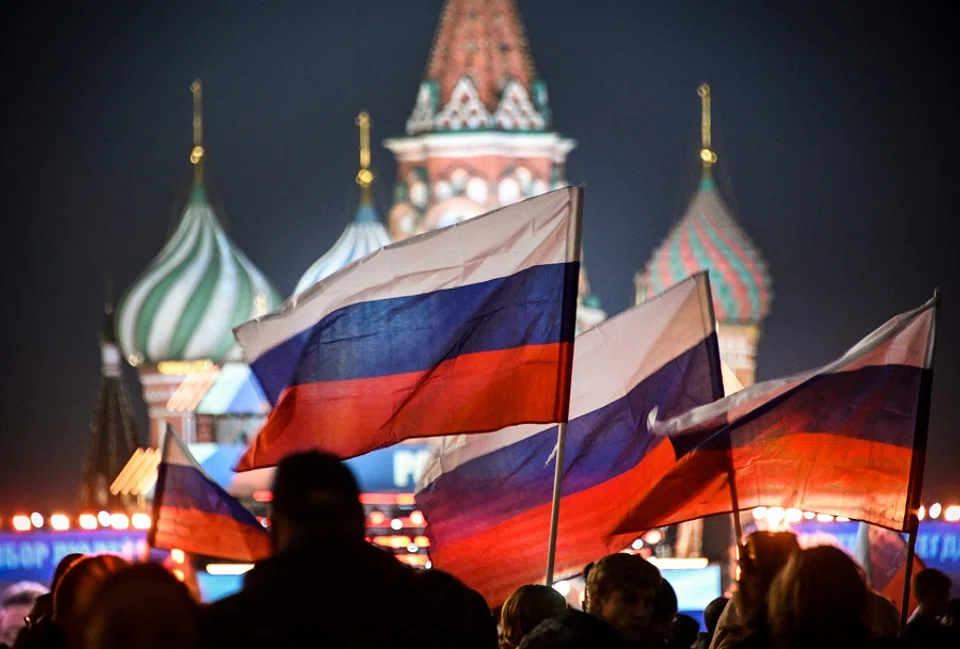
<point x="480" y="135"/>
<point x="175" y="323"/>
<point x="364" y="235"/>
<point x="113" y="433"/>
<point x="708" y="237"/>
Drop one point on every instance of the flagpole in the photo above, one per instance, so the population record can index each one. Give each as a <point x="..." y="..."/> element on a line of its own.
<point x="564" y="389"/>
<point x="716" y="383"/>
<point x="915" y="486"/>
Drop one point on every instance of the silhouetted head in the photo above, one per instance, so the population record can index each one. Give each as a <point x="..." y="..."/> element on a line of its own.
<point x="62" y="568"/>
<point x="458" y="615"/>
<point x="16" y="602"/>
<point x="931" y="587"/>
<point x="314" y="495"/>
<point x="43" y="607"/>
<point x="622" y="590"/>
<point x="763" y="556"/>
<point x="140" y="607"/>
<point x="665" y="609"/>
<point x="527" y="607"/>
<point x="818" y="599"/>
<point x="712" y="613"/>
<point x="79" y="583"/>
<point x="685" y="631"/>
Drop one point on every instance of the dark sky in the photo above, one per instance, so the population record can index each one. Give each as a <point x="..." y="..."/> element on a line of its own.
<point x="836" y="125"/>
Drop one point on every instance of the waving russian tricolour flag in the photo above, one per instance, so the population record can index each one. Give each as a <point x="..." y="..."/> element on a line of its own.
<point x="487" y="497"/>
<point x="846" y="439"/>
<point x="463" y="330"/>
<point x="192" y="513"/>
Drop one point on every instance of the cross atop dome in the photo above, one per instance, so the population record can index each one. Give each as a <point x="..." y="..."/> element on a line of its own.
<point x="709" y="237"/>
<point x="480" y="75"/>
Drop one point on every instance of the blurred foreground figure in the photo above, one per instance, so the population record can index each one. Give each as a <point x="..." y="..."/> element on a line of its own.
<point x="926" y="627"/>
<point x="763" y="555"/>
<point x="324" y="585"/>
<point x="16" y="602"/>
<point x="141" y="607"/>
<point x="819" y="600"/>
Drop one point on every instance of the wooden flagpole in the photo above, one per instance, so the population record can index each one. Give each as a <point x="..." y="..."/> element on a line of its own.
<point x="564" y="390"/>
<point x="915" y="486"/>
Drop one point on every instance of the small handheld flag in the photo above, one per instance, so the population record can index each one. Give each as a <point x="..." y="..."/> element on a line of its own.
<point x="193" y="513"/>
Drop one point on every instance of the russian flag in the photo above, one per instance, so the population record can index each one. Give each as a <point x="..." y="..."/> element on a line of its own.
<point x="463" y="330"/>
<point x="487" y="498"/>
<point x="883" y="555"/>
<point x="846" y="439"/>
<point x="193" y="513"/>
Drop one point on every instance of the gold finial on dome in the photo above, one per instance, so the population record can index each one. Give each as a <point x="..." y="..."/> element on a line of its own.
<point x="196" y="154"/>
<point x="365" y="175"/>
<point x="707" y="155"/>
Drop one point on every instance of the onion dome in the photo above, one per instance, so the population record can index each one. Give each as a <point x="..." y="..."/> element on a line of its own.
<point x="190" y="297"/>
<point x="708" y="237"/>
<point x="366" y="234"/>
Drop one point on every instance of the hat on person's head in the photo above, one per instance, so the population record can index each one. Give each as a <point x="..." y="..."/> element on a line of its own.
<point x="312" y="481"/>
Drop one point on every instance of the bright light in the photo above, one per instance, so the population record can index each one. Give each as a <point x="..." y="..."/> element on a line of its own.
<point x="952" y="513"/>
<point x="428" y="565"/>
<point x="59" y="522"/>
<point x="36" y="519"/>
<point x="413" y="547"/>
<point x="228" y="568"/>
<point x="843" y="519"/>
<point x="21" y="523"/>
<point x="653" y="537"/>
<point x="377" y="518"/>
<point x="178" y="574"/>
<point x="422" y="541"/>
<point x="396" y="524"/>
<point x="104" y="519"/>
<point x="416" y="518"/>
<point x="692" y="563"/>
<point x="794" y="515"/>
<point x="636" y="545"/>
<point x="935" y="510"/>
<point x="140" y="521"/>
<point x="809" y="515"/>
<point x="88" y="521"/>
<point x="920" y="513"/>
<point x="406" y="499"/>
<point x="775" y="514"/>
<point x="824" y="518"/>
<point x="177" y="556"/>
<point x="759" y="513"/>
<point x="562" y="587"/>
<point x="119" y="521"/>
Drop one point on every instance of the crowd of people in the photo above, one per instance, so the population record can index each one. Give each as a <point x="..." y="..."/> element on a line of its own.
<point x="326" y="586"/>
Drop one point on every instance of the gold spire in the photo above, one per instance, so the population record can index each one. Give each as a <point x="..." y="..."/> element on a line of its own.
<point x="196" y="154"/>
<point x="365" y="175"/>
<point x="707" y="154"/>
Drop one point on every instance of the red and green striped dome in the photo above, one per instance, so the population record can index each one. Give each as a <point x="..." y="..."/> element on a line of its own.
<point x="707" y="237"/>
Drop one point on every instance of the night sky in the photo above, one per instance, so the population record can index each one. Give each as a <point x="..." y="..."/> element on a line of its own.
<point x="836" y="125"/>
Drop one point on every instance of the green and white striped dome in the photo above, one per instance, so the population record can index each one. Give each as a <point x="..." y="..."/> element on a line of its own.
<point x="186" y="303"/>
